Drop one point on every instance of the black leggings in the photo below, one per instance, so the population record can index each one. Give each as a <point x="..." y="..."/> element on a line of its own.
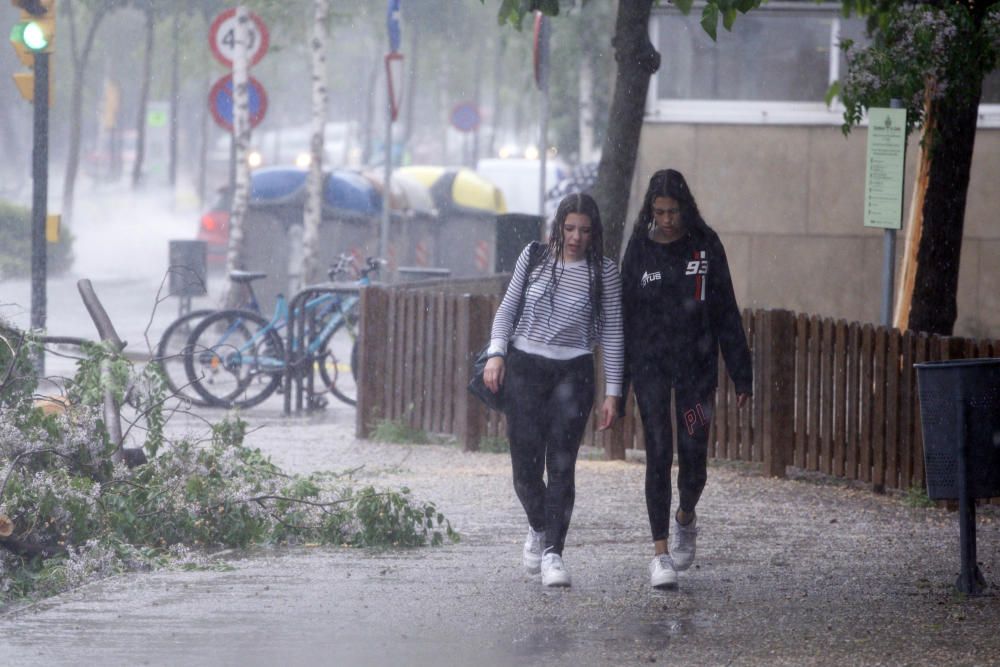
<point x="548" y="404"/>
<point x="694" y="416"/>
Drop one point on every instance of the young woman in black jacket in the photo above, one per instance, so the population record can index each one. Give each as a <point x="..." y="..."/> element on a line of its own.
<point x="679" y="310"/>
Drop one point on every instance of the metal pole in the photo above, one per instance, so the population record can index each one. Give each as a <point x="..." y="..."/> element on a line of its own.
<point x="889" y="257"/>
<point x="970" y="579"/>
<point x="39" y="201"/>
<point x="383" y="245"/>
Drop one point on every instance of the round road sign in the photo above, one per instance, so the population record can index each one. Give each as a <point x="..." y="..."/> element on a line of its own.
<point x="465" y="117"/>
<point x="222" y="38"/>
<point x="220" y="102"/>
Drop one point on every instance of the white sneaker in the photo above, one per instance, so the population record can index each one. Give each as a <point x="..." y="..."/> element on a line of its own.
<point x="532" y="554"/>
<point x="682" y="543"/>
<point x="553" y="571"/>
<point x="662" y="574"/>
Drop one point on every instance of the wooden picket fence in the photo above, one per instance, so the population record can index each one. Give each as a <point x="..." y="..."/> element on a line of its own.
<point x="829" y="396"/>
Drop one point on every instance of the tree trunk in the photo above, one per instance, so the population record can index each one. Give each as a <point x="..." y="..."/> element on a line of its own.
<point x="934" y="305"/>
<point x="585" y="116"/>
<point x="235" y="255"/>
<point x="637" y="61"/>
<point x="412" y="77"/>
<point x="495" y="112"/>
<point x="313" y="210"/>
<point x="140" y="123"/>
<point x="175" y="95"/>
<point x="80" y="63"/>
<point x="203" y="140"/>
<point x="914" y="225"/>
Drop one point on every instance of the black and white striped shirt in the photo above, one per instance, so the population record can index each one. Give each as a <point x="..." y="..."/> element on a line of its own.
<point x="562" y="327"/>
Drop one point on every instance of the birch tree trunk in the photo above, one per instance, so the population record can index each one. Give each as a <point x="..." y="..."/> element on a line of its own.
<point x="637" y="62"/>
<point x="313" y="211"/>
<point x="235" y="256"/>
<point x="140" y="123"/>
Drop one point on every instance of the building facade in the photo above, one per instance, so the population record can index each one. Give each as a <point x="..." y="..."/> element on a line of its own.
<point x="744" y="119"/>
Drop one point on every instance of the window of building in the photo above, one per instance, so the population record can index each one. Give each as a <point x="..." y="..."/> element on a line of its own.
<point x="774" y="67"/>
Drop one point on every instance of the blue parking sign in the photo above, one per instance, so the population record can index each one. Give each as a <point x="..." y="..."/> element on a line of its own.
<point x="220" y="102"/>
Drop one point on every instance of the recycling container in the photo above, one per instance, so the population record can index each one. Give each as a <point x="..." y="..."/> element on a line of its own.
<point x="960" y="404"/>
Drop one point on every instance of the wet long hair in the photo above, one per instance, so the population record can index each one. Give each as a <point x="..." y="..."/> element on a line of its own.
<point x="583" y="204"/>
<point x="669" y="183"/>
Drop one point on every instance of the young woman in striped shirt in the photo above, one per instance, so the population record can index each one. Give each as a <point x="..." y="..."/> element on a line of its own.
<point x="546" y="366"/>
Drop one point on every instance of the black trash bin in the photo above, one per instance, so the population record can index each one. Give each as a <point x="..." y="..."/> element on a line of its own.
<point x="514" y="231"/>
<point x="960" y="419"/>
<point x="950" y="390"/>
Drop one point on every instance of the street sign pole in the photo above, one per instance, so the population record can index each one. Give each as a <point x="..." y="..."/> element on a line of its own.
<point x="39" y="202"/>
<point x="885" y="165"/>
<point x="383" y="246"/>
<point x="394" y="32"/>
<point x="889" y="253"/>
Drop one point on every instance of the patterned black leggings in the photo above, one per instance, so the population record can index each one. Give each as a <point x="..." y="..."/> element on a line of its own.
<point x="548" y="403"/>
<point x="694" y="417"/>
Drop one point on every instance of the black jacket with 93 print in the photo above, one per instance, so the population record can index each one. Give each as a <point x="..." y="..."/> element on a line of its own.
<point x="679" y="310"/>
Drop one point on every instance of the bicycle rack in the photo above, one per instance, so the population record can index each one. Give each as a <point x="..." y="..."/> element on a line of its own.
<point x="302" y="326"/>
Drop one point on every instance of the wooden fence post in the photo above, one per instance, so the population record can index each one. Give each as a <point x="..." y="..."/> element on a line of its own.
<point x="778" y="388"/>
<point x="371" y="359"/>
<point x="470" y="422"/>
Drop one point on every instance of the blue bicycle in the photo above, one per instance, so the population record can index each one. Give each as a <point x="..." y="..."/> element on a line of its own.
<point x="236" y="358"/>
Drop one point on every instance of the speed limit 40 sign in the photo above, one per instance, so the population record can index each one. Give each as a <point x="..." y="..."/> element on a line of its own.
<point x="222" y="38"/>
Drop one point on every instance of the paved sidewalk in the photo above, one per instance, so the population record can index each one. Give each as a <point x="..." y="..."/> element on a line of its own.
<point x="788" y="573"/>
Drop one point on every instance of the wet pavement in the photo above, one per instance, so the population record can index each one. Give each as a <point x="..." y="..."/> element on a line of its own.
<point x="789" y="572"/>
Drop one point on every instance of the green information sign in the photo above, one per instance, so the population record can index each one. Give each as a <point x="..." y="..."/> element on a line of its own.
<point x="156" y="118"/>
<point x="884" y="168"/>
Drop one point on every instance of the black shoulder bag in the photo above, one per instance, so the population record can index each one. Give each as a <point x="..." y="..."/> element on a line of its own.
<point x="477" y="387"/>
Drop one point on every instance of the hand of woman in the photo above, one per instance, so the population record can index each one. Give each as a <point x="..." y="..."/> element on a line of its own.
<point x="741" y="399"/>
<point x="493" y="374"/>
<point x="609" y="410"/>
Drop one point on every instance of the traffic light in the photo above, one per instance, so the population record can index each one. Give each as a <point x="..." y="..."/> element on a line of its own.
<point x="33" y="34"/>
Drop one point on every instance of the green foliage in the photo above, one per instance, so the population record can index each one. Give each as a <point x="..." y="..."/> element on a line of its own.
<point x="81" y="515"/>
<point x="513" y="11"/>
<point x="494" y="444"/>
<point x="15" y="244"/>
<point x="919" y="54"/>
<point x="398" y="431"/>
<point x="17" y="376"/>
<point x="917" y="497"/>
<point x="713" y="10"/>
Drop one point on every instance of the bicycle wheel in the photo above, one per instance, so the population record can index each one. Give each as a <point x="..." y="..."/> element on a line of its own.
<point x="337" y="363"/>
<point x="236" y="360"/>
<point x="170" y="355"/>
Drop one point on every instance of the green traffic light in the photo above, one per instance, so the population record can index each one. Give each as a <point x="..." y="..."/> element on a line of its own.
<point x="34" y="36"/>
<point x="30" y="33"/>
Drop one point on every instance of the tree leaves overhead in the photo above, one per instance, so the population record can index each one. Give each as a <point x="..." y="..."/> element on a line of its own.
<point x="513" y="11"/>
<point x="713" y="10"/>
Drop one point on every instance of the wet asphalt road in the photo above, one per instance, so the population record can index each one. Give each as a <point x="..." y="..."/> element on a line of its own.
<point x="789" y="572"/>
